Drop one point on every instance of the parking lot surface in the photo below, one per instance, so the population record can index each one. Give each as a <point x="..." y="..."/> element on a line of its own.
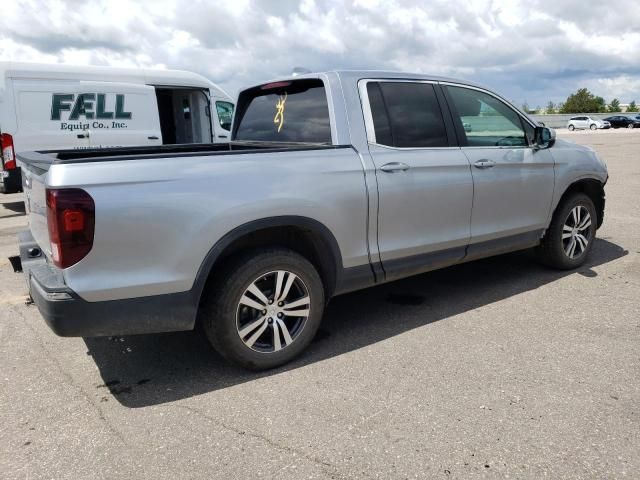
<point x="499" y="368"/>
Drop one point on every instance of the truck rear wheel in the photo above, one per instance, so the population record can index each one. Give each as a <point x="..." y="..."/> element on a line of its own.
<point x="264" y="308"/>
<point x="571" y="234"/>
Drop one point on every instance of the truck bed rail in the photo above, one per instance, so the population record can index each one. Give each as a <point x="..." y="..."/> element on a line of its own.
<point x="44" y="159"/>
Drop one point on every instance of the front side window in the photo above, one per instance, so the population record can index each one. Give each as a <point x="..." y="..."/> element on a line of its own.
<point x="487" y="121"/>
<point x="406" y="115"/>
<point x="291" y="111"/>
<point x="225" y="113"/>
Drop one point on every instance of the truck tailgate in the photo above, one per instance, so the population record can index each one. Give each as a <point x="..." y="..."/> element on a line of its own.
<point x="34" y="172"/>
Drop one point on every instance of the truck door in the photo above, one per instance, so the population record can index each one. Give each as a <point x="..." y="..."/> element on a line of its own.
<point x="513" y="182"/>
<point x="122" y="114"/>
<point x="45" y="115"/>
<point x="424" y="181"/>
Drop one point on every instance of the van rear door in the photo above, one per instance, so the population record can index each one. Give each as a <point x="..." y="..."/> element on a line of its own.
<point x="67" y="114"/>
<point x="125" y="115"/>
<point x="43" y="108"/>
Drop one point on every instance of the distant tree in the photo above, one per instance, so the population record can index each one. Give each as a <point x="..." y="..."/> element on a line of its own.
<point x="600" y="105"/>
<point x="583" y="101"/>
<point x="632" y="107"/>
<point x="614" y="106"/>
<point x="551" y="108"/>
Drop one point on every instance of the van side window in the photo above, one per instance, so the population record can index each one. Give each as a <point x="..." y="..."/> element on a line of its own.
<point x="225" y="112"/>
<point x="486" y="121"/>
<point x="406" y="115"/>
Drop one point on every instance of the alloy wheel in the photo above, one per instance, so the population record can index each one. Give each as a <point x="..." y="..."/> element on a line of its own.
<point x="273" y="311"/>
<point x="576" y="232"/>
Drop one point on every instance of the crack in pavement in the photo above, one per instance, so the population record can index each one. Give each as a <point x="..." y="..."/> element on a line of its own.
<point x="325" y="466"/>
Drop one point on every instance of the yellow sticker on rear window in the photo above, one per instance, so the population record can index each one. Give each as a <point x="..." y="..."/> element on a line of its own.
<point x="279" y="117"/>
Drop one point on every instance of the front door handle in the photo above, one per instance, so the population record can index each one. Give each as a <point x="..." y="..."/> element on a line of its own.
<point x="153" y="137"/>
<point x="394" y="167"/>
<point x="484" y="163"/>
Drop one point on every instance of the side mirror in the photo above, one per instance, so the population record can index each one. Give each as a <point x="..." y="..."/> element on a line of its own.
<point x="545" y="137"/>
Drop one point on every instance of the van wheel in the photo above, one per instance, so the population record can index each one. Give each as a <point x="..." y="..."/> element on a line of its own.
<point x="571" y="234"/>
<point x="571" y="128"/>
<point x="264" y="308"/>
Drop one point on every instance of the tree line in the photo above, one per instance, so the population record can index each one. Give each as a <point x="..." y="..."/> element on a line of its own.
<point x="583" y="101"/>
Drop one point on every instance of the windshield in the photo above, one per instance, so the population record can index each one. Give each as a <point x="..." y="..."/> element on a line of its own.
<point x="292" y="111"/>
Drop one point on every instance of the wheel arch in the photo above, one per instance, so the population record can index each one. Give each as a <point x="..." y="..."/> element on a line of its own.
<point x="307" y="236"/>
<point x="593" y="188"/>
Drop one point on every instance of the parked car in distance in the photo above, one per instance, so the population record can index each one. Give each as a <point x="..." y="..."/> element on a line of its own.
<point x="583" y="122"/>
<point x="623" y="121"/>
<point x="332" y="182"/>
<point x="46" y="106"/>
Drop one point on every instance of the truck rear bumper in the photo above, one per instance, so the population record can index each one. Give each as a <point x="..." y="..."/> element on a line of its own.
<point x="68" y="315"/>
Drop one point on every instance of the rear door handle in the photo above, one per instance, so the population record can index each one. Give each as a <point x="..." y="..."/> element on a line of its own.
<point x="394" y="167"/>
<point x="484" y="164"/>
<point x="153" y="137"/>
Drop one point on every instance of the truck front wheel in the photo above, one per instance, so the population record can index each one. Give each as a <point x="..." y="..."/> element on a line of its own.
<point x="263" y="308"/>
<point x="571" y="234"/>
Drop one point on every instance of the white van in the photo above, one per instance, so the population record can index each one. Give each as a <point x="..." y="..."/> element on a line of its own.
<point x="65" y="107"/>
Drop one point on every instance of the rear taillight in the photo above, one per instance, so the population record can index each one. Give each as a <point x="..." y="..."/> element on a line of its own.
<point x="8" y="152"/>
<point x="71" y="221"/>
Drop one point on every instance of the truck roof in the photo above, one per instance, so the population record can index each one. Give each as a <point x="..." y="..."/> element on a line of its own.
<point x="355" y="75"/>
<point x="179" y="78"/>
<point x="385" y="74"/>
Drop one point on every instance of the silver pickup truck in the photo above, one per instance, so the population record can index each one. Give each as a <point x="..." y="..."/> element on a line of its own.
<point x="332" y="182"/>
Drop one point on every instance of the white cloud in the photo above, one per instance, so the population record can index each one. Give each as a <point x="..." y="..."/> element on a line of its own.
<point x="529" y="50"/>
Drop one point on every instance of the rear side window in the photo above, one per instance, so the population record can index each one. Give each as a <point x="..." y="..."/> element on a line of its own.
<point x="406" y="115"/>
<point x="293" y="111"/>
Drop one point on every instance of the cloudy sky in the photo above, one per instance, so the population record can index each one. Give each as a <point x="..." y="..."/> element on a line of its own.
<point x="533" y="51"/>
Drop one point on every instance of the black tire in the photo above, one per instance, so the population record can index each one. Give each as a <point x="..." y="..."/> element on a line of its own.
<point x="552" y="248"/>
<point x="593" y="126"/>
<point x="221" y="307"/>
<point x="571" y="128"/>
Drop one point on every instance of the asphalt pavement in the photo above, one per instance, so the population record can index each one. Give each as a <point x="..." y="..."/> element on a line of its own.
<point x="499" y="368"/>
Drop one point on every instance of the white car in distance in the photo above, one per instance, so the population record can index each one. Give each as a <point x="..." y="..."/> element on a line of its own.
<point x="584" y="122"/>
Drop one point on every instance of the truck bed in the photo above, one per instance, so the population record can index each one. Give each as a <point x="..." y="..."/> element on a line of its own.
<point x="43" y="159"/>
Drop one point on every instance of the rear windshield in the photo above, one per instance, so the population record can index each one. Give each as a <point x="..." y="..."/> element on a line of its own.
<point x="294" y="111"/>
